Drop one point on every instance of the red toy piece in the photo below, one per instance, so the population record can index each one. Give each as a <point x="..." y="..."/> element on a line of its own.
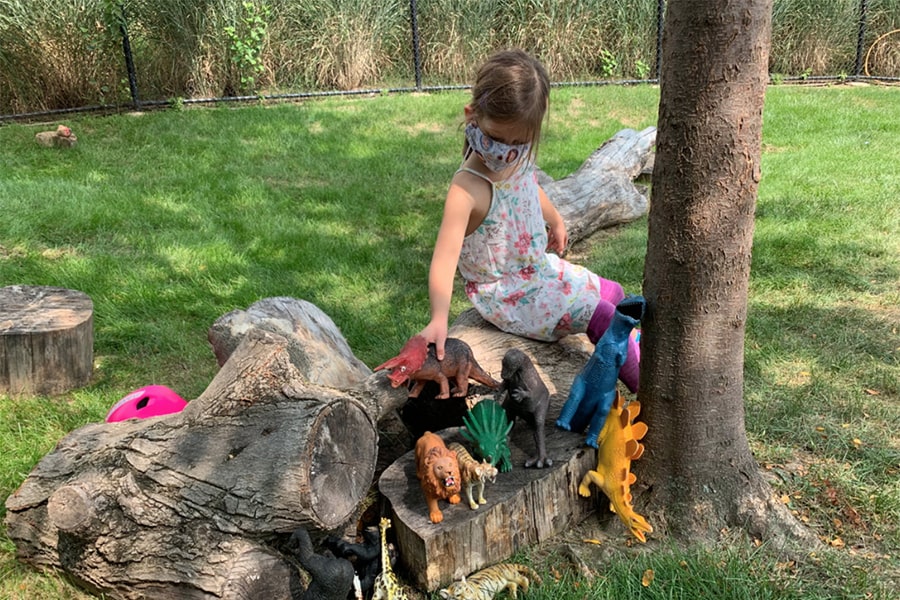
<point x="148" y="401"/>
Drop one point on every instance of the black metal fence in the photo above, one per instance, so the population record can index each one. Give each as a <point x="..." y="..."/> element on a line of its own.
<point x="857" y="71"/>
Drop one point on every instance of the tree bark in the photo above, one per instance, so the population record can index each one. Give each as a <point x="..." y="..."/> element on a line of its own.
<point x="698" y="472"/>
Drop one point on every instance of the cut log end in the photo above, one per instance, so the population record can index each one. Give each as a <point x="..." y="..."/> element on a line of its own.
<point x="342" y="462"/>
<point x="71" y="509"/>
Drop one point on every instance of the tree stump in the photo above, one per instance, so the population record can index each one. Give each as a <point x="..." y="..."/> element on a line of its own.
<point x="524" y="506"/>
<point x="46" y="339"/>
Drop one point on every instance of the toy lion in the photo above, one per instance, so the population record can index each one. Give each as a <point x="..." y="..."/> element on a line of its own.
<point x="438" y="473"/>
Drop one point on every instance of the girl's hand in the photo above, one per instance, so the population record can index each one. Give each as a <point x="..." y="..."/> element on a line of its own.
<point x="436" y="333"/>
<point x="557" y="237"/>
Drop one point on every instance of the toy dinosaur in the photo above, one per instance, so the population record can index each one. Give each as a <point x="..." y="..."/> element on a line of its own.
<point x="331" y="578"/>
<point x="387" y="585"/>
<point x="619" y="443"/>
<point x="594" y="388"/>
<point x="474" y="474"/>
<point x="418" y="364"/>
<point x="488" y="582"/>
<point x="527" y="398"/>
<point x="487" y="426"/>
<point x="438" y="472"/>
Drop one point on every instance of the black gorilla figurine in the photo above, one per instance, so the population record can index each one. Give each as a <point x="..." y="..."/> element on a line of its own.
<point x="332" y="577"/>
<point x="527" y="398"/>
<point x="365" y="557"/>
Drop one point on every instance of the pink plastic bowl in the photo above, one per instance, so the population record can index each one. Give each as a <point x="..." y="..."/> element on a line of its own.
<point x="149" y="401"/>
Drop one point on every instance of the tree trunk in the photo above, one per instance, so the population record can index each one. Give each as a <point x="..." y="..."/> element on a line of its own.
<point x="698" y="470"/>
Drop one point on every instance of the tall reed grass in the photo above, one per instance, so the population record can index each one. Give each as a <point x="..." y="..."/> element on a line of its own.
<point x="68" y="53"/>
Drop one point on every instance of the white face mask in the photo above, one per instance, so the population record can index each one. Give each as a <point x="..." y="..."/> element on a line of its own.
<point x="497" y="156"/>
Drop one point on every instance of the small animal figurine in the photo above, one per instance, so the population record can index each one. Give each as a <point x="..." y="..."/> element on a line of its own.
<point x="438" y="473"/>
<point x="527" y="398"/>
<point x="417" y="363"/>
<point x="61" y="138"/>
<point x="594" y="388"/>
<point x="486" y="583"/>
<point x="387" y="585"/>
<point x="331" y="578"/>
<point x="487" y="426"/>
<point x="619" y="443"/>
<point x="474" y="474"/>
<point x="365" y="557"/>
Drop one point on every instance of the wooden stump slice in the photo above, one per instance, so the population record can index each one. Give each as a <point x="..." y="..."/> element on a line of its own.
<point x="46" y="339"/>
<point x="524" y="507"/>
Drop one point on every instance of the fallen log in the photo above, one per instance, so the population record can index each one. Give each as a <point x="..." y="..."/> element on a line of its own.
<point x="602" y="192"/>
<point x="184" y="506"/>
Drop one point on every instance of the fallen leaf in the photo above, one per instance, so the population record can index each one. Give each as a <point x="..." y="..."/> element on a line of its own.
<point x="595" y="542"/>
<point x="837" y="543"/>
<point x="647" y="579"/>
<point x="873" y="392"/>
<point x="857" y="442"/>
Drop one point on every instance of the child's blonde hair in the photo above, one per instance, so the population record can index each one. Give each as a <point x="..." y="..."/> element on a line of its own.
<point x="513" y="86"/>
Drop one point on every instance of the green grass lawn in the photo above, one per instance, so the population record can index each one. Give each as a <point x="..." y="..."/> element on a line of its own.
<point x="170" y="219"/>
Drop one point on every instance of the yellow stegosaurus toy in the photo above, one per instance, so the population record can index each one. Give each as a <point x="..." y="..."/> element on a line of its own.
<point x="618" y="444"/>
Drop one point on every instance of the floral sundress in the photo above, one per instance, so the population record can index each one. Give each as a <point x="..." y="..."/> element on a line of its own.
<point x="511" y="279"/>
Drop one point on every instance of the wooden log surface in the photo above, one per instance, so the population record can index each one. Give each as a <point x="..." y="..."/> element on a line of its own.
<point x="317" y="347"/>
<point x="524" y="507"/>
<point x="602" y="192"/>
<point x="46" y="339"/>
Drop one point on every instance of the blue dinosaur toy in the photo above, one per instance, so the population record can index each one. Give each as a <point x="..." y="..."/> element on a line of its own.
<point x="594" y="388"/>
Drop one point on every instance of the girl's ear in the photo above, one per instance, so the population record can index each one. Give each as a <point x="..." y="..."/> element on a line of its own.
<point x="468" y="112"/>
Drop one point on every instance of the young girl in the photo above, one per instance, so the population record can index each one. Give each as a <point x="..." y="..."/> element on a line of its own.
<point x="498" y="224"/>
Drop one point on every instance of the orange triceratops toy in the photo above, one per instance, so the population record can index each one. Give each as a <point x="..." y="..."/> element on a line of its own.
<point x="618" y="444"/>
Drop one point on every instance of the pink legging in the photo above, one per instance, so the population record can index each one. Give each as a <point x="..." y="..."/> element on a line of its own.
<point x="611" y="293"/>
